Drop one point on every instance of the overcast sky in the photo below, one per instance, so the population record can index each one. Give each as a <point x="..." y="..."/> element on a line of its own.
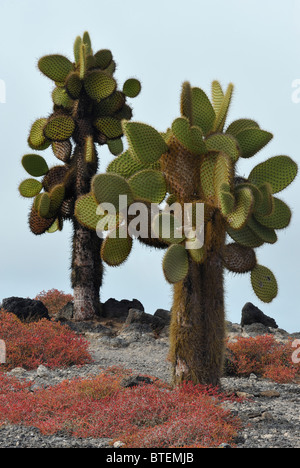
<point x="254" y="44"/>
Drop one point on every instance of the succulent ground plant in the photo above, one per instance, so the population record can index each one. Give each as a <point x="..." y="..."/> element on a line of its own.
<point x="87" y="111"/>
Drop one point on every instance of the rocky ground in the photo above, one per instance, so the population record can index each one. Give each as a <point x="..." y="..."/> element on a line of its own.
<point x="270" y="412"/>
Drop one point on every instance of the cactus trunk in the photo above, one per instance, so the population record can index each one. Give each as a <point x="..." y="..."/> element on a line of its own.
<point x="198" y="324"/>
<point x="87" y="269"/>
<point x="86" y="273"/>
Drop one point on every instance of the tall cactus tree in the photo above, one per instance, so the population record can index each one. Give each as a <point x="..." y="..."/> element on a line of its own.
<point x="87" y="110"/>
<point x="195" y="161"/>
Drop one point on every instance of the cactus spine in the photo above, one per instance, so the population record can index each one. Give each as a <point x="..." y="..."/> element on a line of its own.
<point x="87" y="111"/>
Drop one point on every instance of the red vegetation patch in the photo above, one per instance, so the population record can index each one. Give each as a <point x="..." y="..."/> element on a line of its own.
<point x="29" y="345"/>
<point x="144" y="416"/>
<point x="54" y="300"/>
<point x="265" y="357"/>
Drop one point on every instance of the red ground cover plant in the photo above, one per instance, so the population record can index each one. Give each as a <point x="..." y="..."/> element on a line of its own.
<point x="29" y="345"/>
<point x="145" y="416"/>
<point x="54" y="300"/>
<point x="265" y="357"/>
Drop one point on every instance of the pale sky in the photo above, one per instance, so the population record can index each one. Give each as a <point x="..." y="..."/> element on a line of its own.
<point x="254" y="44"/>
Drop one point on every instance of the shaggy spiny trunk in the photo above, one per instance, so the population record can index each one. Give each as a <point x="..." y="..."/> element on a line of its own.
<point x="87" y="269"/>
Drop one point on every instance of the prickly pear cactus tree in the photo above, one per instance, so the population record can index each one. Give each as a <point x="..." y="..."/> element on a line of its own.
<point x="195" y="164"/>
<point x="87" y="111"/>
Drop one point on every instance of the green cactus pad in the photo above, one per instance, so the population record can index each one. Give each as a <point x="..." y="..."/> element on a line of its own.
<point x="35" y="165"/>
<point x="264" y="284"/>
<point x="59" y="128"/>
<point x="279" y="172"/>
<point x="266" y="207"/>
<point x="198" y="255"/>
<point x="56" y="226"/>
<point x="87" y="41"/>
<point x="55" y="67"/>
<point x="238" y="259"/>
<point x="207" y="176"/>
<point x="217" y="96"/>
<point x="252" y="140"/>
<point x="115" y="251"/>
<point x="103" y="58"/>
<point x="86" y="211"/>
<point x="99" y="85"/>
<point x="240" y="125"/>
<point x="132" y="88"/>
<point x="44" y="205"/>
<point x="37" y="138"/>
<point x="243" y="210"/>
<point x="73" y="85"/>
<point x="221" y="115"/>
<point x="245" y="237"/>
<point x="145" y="143"/>
<point x="76" y="49"/>
<point x="109" y="126"/>
<point x="56" y="195"/>
<point x="82" y="61"/>
<point x="167" y="227"/>
<point x="109" y="106"/>
<point x="175" y="264"/>
<point x="29" y="188"/>
<point x="225" y="143"/>
<point x="226" y="201"/>
<point x="125" y="113"/>
<point x="107" y="188"/>
<point x="115" y="146"/>
<point x="266" y="234"/>
<point x="203" y="114"/>
<point x="60" y="98"/>
<point x="223" y="172"/>
<point x="190" y="137"/>
<point x="89" y="150"/>
<point x="258" y="197"/>
<point x="62" y="150"/>
<point x="125" y="165"/>
<point x="148" y="185"/>
<point x="280" y="217"/>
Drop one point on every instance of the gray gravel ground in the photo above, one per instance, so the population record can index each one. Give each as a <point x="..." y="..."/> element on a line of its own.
<point x="271" y="420"/>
